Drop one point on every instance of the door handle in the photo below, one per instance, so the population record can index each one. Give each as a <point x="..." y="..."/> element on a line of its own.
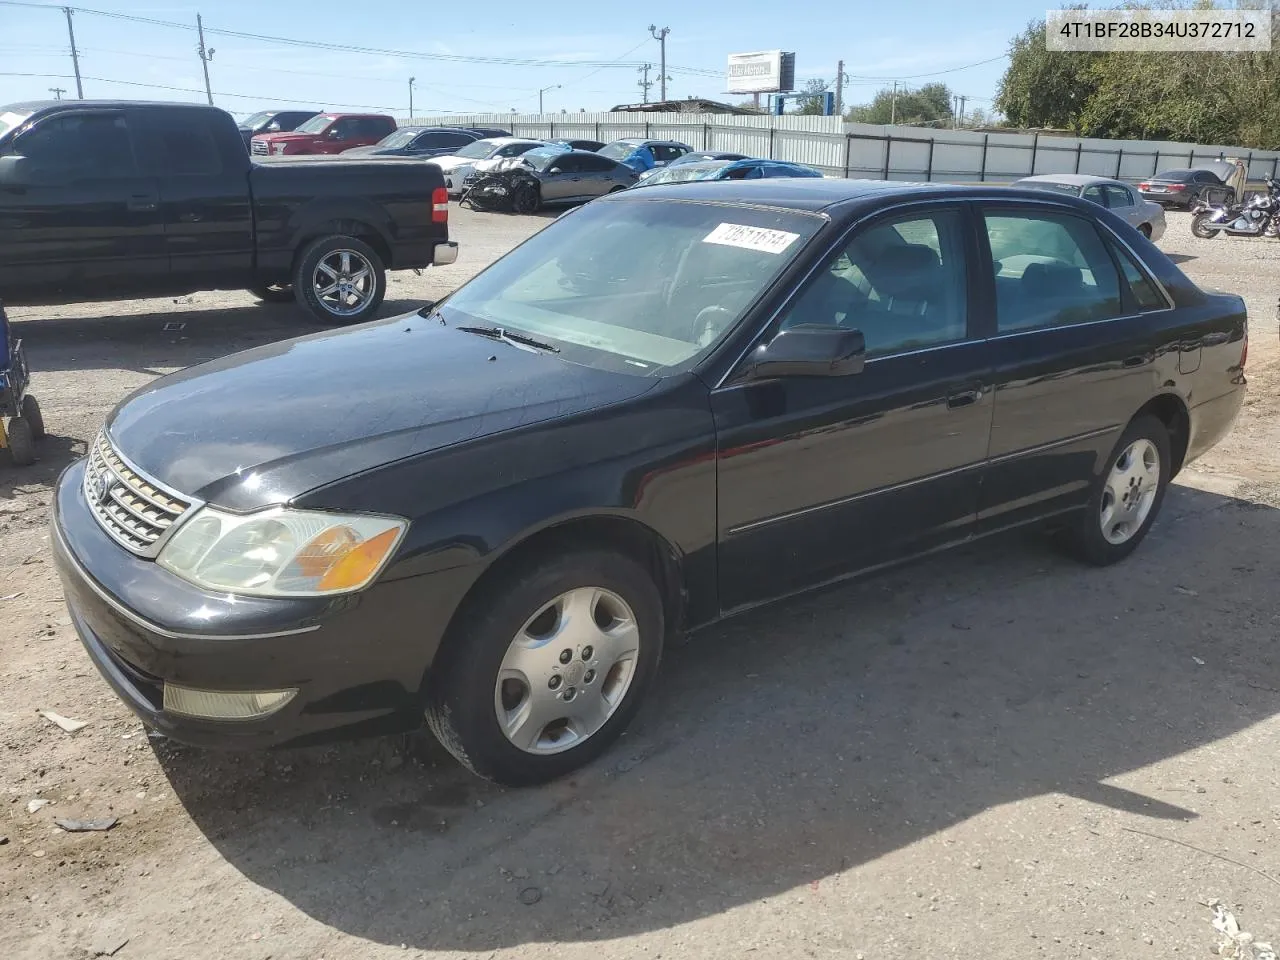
<point x="964" y="398"/>
<point x="1134" y="361"/>
<point x="141" y="202"/>
<point x="190" y="218"/>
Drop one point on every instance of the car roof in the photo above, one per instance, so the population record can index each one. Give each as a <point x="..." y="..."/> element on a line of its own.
<point x="835" y="196"/>
<point x="31" y="106"/>
<point x="1074" y="179"/>
<point x="503" y="141"/>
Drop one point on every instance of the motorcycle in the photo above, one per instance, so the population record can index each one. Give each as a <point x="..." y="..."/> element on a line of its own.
<point x="1259" y="216"/>
<point x="513" y="188"/>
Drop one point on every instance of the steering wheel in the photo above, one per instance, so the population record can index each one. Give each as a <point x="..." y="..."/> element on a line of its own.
<point x="710" y="323"/>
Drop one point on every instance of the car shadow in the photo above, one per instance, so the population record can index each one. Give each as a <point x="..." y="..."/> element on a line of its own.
<point x="1181" y="257"/>
<point x="785" y="746"/>
<point x="155" y="343"/>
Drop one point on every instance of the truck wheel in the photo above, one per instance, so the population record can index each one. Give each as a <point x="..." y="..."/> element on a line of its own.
<point x="340" y="280"/>
<point x="273" y="292"/>
<point x="30" y="410"/>
<point x="22" y="444"/>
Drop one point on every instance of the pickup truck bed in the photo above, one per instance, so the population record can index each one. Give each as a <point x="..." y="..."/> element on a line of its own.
<point x="111" y="200"/>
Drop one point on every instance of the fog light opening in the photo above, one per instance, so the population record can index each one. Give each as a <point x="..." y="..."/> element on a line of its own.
<point x="224" y="705"/>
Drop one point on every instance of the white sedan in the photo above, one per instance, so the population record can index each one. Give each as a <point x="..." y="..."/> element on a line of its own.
<point x="1120" y="198"/>
<point x="456" y="166"/>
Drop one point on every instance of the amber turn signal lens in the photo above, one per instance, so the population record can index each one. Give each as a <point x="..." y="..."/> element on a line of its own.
<point x="358" y="563"/>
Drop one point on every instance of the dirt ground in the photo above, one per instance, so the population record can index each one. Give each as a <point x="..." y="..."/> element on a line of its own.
<point x="994" y="754"/>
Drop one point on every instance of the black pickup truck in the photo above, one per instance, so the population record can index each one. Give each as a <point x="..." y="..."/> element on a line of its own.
<point x="116" y="200"/>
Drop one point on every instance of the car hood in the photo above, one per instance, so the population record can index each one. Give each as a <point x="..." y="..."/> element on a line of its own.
<point x="286" y="137"/>
<point x="269" y="424"/>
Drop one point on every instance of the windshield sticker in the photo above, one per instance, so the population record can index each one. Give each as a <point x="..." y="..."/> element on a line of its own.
<point x="751" y="238"/>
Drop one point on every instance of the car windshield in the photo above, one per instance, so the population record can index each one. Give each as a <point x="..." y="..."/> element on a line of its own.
<point x="478" y="150"/>
<point x="1174" y="175"/>
<point x="618" y="149"/>
<point x="315" y="124"/>
<point x="400" y="138"/>
<point x="687" y="171"/>
<point x="257" y="120"/>
<point x="10" y="120"/>
<point x="641" y="287"/>
<point x="1050" y="185"/>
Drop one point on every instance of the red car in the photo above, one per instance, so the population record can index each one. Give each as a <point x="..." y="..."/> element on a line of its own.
<point x="325" y="133"/>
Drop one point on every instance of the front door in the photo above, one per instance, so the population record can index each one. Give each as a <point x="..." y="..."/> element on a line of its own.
<point x="822" y="476"/>
<point x="1073" y="357"/>
<point x="81" y="222"/>
<point x="563" y="180"/>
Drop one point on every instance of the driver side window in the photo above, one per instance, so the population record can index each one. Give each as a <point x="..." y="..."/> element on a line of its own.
<point x="901" y="282"/>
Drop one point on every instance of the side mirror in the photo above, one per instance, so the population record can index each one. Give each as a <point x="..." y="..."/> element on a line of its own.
<point x="15" y="171"/>
<point x="555" y="170"/>
<point x="809" y="350"/>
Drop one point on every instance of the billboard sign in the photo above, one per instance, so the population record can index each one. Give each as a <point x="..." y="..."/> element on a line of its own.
<point x="766" y="71"/>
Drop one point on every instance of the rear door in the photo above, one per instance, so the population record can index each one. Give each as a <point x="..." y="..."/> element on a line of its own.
<point x="596" y="177"/>
<point x="820" y="476"/>
<point x="204" y="197"/>
<point x="83" y="221"/>
<point x="1073" y="356"/>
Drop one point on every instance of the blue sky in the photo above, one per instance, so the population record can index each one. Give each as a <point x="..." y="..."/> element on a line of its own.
<point x="593" y="56"/>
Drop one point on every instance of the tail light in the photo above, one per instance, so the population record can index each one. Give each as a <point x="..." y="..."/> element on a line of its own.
<point x="1144" y="186"/>
<point x="439" y="205"/>
<point x="1175" y="187"/>
<point x="1244" y="351"/>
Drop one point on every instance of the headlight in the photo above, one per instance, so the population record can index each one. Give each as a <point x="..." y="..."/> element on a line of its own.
<point x="279" y="147"/>
<point x="281" y="552"/>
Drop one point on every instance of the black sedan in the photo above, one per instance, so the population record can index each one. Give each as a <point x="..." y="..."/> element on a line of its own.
<point x="1181" y="188"/>
<point x="416" y="142"/>
<point x="666" y="407"/>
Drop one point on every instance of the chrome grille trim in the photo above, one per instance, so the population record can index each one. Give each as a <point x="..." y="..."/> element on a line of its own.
<point x="136" y="511"/>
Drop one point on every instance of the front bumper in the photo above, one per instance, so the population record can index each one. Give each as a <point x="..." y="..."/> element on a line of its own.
<point x="358" y="668"/>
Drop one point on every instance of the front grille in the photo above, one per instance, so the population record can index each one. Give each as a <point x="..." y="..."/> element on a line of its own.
<point x="259" y="148"/>
<point x="132" y="508"/>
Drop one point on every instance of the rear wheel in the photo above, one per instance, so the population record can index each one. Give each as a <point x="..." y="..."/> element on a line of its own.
<point x="340" y="280"/>
<point x="548" y="668"/>
<point x="22" y="445"/>
<point x="31" y="413"/>
<point x="1126" y="497"/>
<point x="1200" y="226"/>
<point x="1145" y="230"/>
<point x="274" y="292"/>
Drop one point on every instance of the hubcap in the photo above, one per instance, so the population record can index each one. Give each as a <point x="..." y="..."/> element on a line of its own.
<point x="1130" y="491"/>
<point x="567" y="670"/>
<point x="344" y="282"/>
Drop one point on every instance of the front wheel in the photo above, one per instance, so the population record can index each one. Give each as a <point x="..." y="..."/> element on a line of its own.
<point x="1200" y="226"/>
<point x="1126" y="497"/>
<point x="549" y="667"/>
<point x="340" y="280"/>
<point x="30" y="411"/>
<point x="22" y="442"/>
<point x="525" y="198"/>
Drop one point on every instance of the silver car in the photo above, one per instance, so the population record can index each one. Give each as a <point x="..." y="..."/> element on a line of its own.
<point x="1120" y="198"/>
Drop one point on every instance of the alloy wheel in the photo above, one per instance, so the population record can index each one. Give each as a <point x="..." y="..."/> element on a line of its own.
<point x="1130" y="491"/>
<point x="344" y="282"/>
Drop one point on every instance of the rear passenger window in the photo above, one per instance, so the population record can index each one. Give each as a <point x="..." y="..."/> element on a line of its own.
<point x="1144" y="289"/>
<point x="182" y="146"/>
<point x="901" y="283"/>
<point x="1051" y="271"/>
<point x="1118" y="197"/>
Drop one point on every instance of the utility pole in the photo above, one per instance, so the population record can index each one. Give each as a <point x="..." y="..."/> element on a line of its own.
<point x="205" y="57"/>
<point x="412" y="81"/>
<point x="57" y="92"/>
<point x="893" y="105"/>
<point x="646" y="83"/>
<point x="840" y="89"/>
<point x="661" y="37"/>
<point x="75" y="54"/>
<point x="962" y="101"/>
<point x="554" y="86"/>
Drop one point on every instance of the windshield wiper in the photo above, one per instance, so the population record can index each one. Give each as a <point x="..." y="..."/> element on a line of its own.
<point x="515" y="339"/>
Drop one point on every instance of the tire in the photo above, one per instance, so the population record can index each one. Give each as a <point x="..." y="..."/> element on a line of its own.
<point x="362" y="262"/>
<point x="1145" y="230"/>
<point x="525" y="198"/>
<point x="22" y="444"/>
<point x="465" y="695"/>
<point x="1199" y="227"/>
<point x="274" y="293"/>
<point x="30" y="411"/>
<point x="1086" y="539"/>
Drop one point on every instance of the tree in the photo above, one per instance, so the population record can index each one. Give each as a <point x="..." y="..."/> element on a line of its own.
<point x="929" y="104"/>
<point x="811" y="101"/>
<point x="1043" y="88"/>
